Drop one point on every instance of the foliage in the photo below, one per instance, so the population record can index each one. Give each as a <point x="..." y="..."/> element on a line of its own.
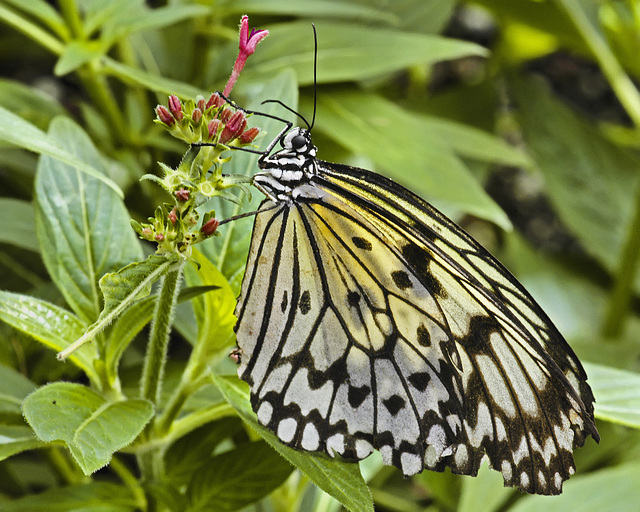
<point x="434" y="113"/>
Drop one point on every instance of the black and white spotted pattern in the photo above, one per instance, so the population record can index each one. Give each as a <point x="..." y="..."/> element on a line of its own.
<point x="369" y="321"/>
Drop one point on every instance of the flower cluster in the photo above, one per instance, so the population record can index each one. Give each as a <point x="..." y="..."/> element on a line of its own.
<point x="211" y="126"/>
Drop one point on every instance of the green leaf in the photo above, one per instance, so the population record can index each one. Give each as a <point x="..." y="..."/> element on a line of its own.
<point x="51" y="325"/>
<point x="617" y="394"/>
<point x="92" y="497"/>
<point x="409" y="148"/>
<point x="213" y="310"/>
<point x="237" y="478"/>
<point x="313" y="10"/>
<point x="18" y="224"/>
<point x="613" y="489"/>
<point x="121" y="290"/>
<point x="484" y="492"/>
<point x="17" y="439"/>
<point x="14" y="387"/>
<point x="349" y="51"/>
<point x="43" y="11"/>
<point x="91" y="427"/>
<point x="17" y="131"/>
<point x="78" y="53"/>
<point x="156" y="83"/>
<point x="83" y="227"/>
<point x="590" y="181"/>
<point x="341" y="480"/>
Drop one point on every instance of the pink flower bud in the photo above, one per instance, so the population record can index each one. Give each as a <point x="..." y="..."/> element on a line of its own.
<point x="173" y="217"/>
<point x="176" y="107"/>
<point x="210" y="227"/>
<point x="196" y="116"/>
<point x="201" y="104"/>
<point x="182" y="195"/>
<point x="147" y="233"/>
<point x="164" y="115"/>
<point x="249" y="135"/>
<point x="213" y="127"/>
<point x="215" y="100"/>
<point x="234" y="127"/>
<point x="159" y="237"/>
<point x="225" y="114"/>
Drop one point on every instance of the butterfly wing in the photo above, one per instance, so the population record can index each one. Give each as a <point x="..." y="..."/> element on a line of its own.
<point x="368" y="320"/>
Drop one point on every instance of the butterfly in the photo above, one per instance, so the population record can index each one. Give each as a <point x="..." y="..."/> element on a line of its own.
<point x="368" y="320"/>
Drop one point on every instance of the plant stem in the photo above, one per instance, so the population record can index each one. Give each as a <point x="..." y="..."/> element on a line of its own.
<point x="155" y="359"/>
<point x="130" y="480"/>
<point x="31" y="30"/>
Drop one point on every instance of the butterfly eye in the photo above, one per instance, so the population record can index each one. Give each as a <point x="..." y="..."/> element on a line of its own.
<point x="298" y="142"/>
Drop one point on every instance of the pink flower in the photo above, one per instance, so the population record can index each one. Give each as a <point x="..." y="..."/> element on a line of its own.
<point x="182" y="195"/>
<point x="249" y="135"/>
<point x="234" y="127"/>
<point x="247" y="42"/>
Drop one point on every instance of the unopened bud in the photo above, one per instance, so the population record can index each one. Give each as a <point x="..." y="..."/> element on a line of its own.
<point x="213" y="127"/>
<point x="196" y="116"/>
<point x="234" y="127"/>
<point x="249" y="135"/>
<point x="176" y="107"/>
<point x="173" y="217"/>
<point x="210" y="227"/>
<point x="182" y="195"/>
<point x="159" y="237"/>
<point x="164" y="115"/>
<point x="215" y="101"/>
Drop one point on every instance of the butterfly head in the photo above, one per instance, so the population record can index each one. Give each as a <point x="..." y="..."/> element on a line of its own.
<point x="286" y="170"/>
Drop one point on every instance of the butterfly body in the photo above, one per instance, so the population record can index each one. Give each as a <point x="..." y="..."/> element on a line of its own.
<point x="369" y="320"/>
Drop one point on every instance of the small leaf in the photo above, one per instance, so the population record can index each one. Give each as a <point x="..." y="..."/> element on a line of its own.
<point x="91" y="427"/>
<point x="237" y="478"/>
<point x="76" y="53"/>
<point x="341" y="480"/>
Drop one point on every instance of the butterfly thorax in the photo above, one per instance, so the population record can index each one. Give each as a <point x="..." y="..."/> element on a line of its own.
<point x="288" y="169"/>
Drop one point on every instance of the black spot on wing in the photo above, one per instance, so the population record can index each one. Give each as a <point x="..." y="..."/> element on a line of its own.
<point x="424" y="338"/>
<point x="418" y="259"/>
<point x="357" y="395"/>
<point x="353" y="298"/>
<point x="401" y="279"/>
<point x="362" y="243"/>
<point x="285" y="302"/>
<point x="394" y="404"/>
<point x="420" y="380"/>
<point x="305" y="302"/>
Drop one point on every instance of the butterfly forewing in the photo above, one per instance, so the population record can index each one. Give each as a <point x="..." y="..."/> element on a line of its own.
<point x="368" y="320"/>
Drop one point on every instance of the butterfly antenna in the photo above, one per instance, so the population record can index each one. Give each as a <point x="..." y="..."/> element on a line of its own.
<point x="315" y="75"/>
<point x="289" y="109"/>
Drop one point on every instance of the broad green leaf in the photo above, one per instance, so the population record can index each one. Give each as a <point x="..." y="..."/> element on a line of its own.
<point x="313" y="10"/>
<point x="14" y="387"/>
<point x="349" y="51"/>
<point x="591" y="182"/>
<point x="43" y="11"/>
<point x="92" y="428"/>
<point x="18" y="224"/>
<point x="237" y="478"/>
<point x="121" y="290"/>
<point x="159" y="84"/>
<point x="409" y="148"/>
<point x="612" y="489"/>
<point x="51" y="325"/>
<point x="92" y="497"/>
<point x="617" y="394"/>
<point x="213" y="310"/>
<point x="78" y="53"/>
<point x="16" y="439"/>
<point x="430" y="17"/>
<point x="341" y="480"/>
<point x="17" y="131"/>
<point x="83" y="227"/>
